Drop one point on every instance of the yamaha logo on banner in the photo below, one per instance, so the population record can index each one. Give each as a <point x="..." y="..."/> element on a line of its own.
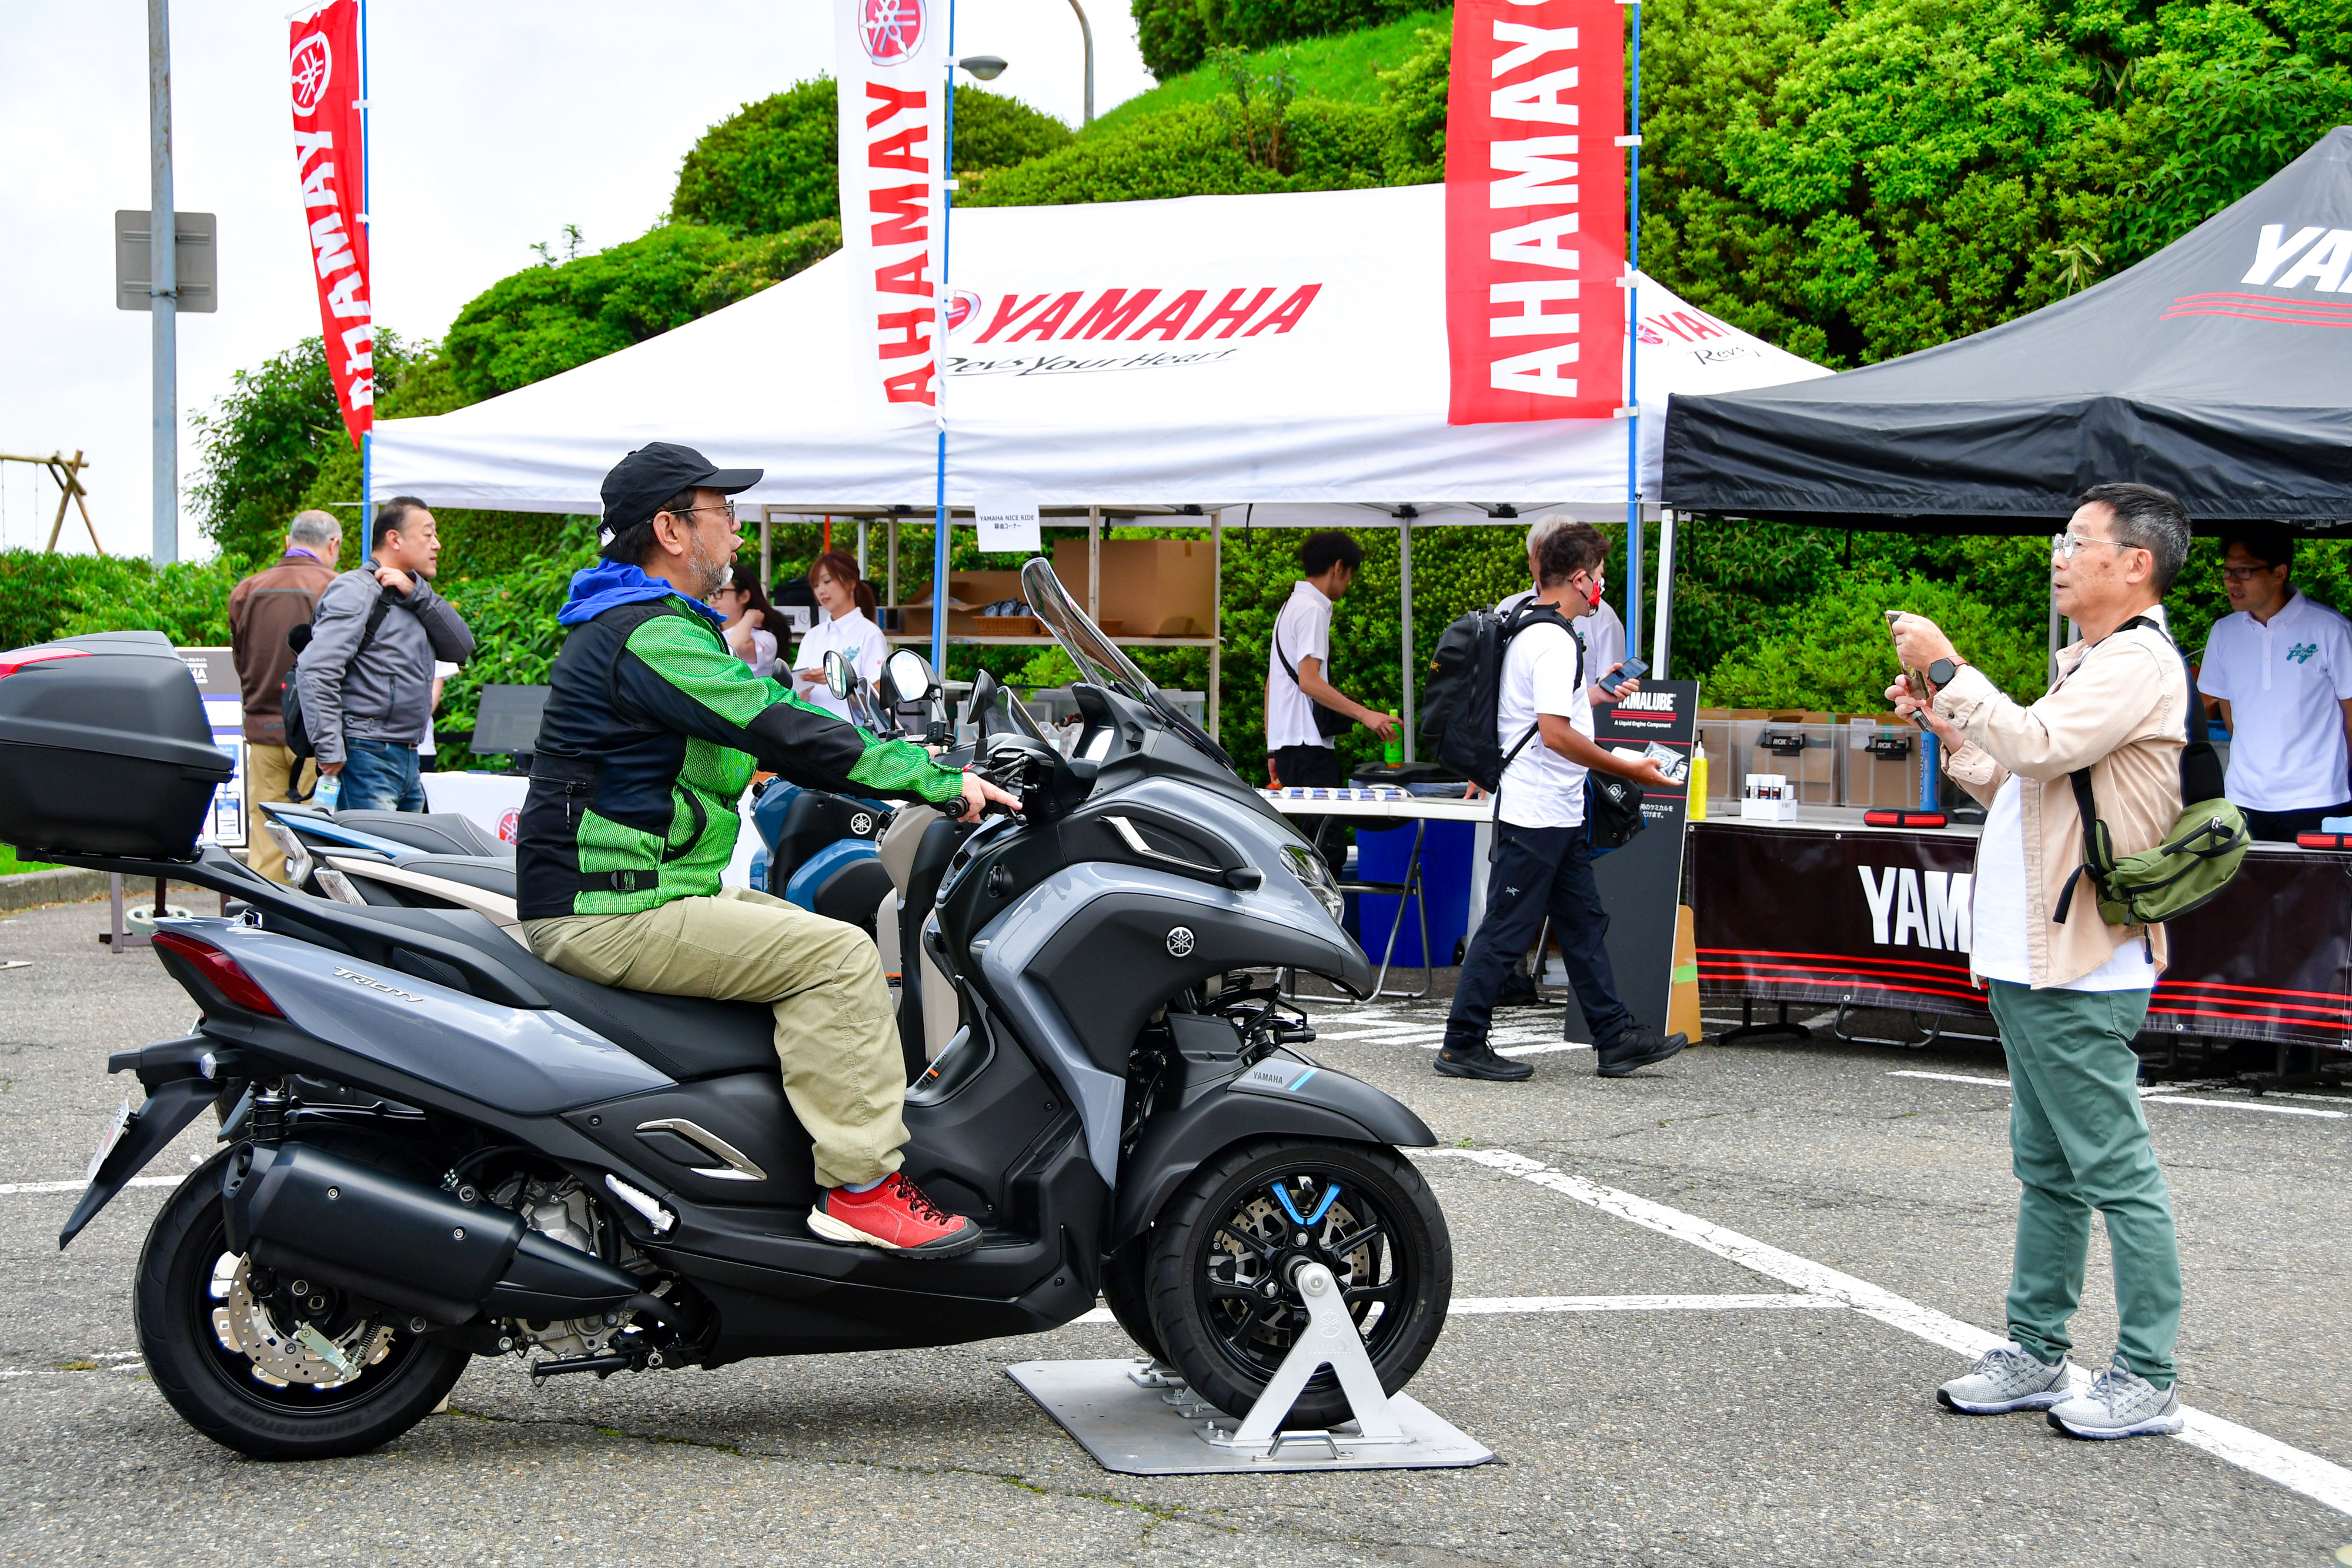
<point x="892" y="68"/>
<point x="323" y="61"/>
<point x="1535" y="211"/>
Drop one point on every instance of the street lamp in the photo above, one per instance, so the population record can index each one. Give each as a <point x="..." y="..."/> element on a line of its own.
<point x="1087" y="32"/>
<point x="983" y="68"/>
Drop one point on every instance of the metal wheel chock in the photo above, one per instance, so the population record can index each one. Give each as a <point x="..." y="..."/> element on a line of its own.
<point x="1330" y="1340"/>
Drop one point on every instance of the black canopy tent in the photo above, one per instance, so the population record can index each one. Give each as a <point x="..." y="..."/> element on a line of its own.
<point x="2219" y="369"/>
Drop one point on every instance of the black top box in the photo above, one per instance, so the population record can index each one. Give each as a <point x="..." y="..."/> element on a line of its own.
<point x="104" y="750"/>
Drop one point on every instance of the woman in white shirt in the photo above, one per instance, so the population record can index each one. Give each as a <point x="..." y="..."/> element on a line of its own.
<point x="749" y="614"/>
<point x="849" y="630"/>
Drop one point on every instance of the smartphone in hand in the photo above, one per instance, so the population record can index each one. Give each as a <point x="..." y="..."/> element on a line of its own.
<point x="1630" y="670"/>
<point x="1916" y="679"/>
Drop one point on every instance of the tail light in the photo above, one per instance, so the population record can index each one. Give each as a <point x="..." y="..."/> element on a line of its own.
<point x="223" y="973"/>
<point x="13" y="661"/>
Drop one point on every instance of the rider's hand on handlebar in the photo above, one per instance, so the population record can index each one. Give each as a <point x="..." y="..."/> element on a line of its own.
<point x="979" y="794"/>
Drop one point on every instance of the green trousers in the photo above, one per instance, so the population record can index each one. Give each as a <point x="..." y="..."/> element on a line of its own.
<point x="2078" y="1141"/>
<point x="836" y="1037"/>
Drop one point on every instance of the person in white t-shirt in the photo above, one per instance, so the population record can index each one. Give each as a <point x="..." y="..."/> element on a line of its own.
<point x="1604" y="651"/>
<point x="1300" y="753"/>
<point x="751" y="625"/>
<point x="1543" y="861"/>
<point x="847" y="602"/>
<point x="2282" y="668"/>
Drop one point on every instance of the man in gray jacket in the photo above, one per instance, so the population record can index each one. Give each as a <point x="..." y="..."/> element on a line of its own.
<point x="367" y="697"/>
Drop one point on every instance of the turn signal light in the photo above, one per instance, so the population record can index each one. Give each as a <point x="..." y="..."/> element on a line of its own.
<point x="225" y="974"/>
<point x="13" y="661"/>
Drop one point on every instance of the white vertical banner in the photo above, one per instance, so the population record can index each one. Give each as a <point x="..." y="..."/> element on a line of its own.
<point x="1008" y="522"/>
<point x="890" y="64"/>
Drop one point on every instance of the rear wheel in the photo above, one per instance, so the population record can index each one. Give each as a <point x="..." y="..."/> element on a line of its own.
<point x="1221" y="1253"/>
<point x="266" y="1368"/>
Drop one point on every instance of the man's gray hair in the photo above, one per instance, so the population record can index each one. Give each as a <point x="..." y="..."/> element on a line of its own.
<point x="2146" y="518"/>
<point x="1543" y="527"/>
<point x="314" y="527"/>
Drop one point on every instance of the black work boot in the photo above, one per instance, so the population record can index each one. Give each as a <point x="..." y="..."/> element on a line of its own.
<point x="1469" y="1060"/>
<point x="1637" y="1048"/>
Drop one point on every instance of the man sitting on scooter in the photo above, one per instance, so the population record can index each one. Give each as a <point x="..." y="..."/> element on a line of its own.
<point x="652" y="730"/>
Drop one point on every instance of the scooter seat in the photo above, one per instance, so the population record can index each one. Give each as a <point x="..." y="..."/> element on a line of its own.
<point x="686" y="1037"/>
<point x="436" y="832"/>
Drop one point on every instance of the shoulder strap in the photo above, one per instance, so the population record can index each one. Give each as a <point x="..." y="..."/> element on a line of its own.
<point x="376" y="612"/>
<point x="2196" y="757"/>
<point x="1281" y="657"/>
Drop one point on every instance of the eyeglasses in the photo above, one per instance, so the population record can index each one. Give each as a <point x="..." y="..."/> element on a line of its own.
<point x="2246" y="573"/>
<point x="2063" y="546"/>
<point x="726" y="507"/>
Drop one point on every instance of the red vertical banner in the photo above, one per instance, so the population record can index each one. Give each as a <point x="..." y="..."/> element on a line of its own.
<point x="1535" y="211"/>
<point x="324" y="54"/>
<point x="892" y="63"/>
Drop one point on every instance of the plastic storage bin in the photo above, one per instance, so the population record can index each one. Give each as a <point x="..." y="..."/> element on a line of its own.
<point x="1882" y="763"/>
<point x="1800" y="747"/>
<point x="104" y="750"/>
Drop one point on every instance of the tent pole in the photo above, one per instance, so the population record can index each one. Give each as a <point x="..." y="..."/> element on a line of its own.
<point x="865" y="538"/>
<point x="1404" y="632"/>
<point x="2052" y="675"/>
<point x="1094" y="565"/>
<point x="1660" y="639"/>
<point x="939" y="527"/>
<point x="1216" y="616"/>
<point x="891" y="548"/>
<point x="1632" y="142"/>
<point x="767" y="552"/>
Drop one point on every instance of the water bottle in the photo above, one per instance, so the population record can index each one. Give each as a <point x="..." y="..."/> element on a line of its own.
<point x="1393" y="753"/>
<point x="330" y="790"/>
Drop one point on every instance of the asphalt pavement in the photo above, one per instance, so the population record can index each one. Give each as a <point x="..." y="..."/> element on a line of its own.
<point x="1693" y="1425"/>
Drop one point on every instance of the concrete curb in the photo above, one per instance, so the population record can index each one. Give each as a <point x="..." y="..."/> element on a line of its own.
<point x="60" y="884"/>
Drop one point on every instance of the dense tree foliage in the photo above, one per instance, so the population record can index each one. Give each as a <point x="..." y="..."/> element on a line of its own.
<point x="1193" y="151"/>
<point x="772" y="167"/>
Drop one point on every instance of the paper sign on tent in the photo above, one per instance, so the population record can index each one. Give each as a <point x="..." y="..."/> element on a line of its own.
<point x="1007" y="523"/>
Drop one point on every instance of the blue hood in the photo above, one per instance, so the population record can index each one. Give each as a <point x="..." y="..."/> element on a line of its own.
<point x="611" y="584"/>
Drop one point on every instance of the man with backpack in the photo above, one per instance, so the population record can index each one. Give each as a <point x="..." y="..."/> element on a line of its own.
<point x="1303" y="710"/>
<point x="2066" y="965"/>
<point x="1523" y="724"/>
<point x="262" y="610"/>
<point x="364" y="683"/>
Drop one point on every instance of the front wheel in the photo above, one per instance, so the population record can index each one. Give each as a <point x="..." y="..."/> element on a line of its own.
<point x="1223" y="1249"/>
<point x="267" y="1364"/>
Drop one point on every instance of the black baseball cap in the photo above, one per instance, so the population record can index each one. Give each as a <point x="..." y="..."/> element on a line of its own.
<point x="639" y="483"/>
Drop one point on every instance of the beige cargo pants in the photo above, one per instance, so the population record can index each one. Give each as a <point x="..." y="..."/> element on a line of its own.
<point x="269" y="775"/>
<point x="836" y="1036"/>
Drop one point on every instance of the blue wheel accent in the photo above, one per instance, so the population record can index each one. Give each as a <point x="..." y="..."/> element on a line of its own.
<point x="1331" y="1195"/>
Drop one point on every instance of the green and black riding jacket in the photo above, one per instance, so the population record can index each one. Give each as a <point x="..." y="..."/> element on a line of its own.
<point x="652" y="731"/>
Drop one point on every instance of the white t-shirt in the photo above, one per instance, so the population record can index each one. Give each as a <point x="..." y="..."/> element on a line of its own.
<point x="1542" y="789"/>
<point x="763" y="652"/>
<point x="854" y="638"/>
<point x="442" y="670"/>
<point x="1603" y="631"/>
<point x="2285" y="684"/>
<point x="1997" y="911"/>
<point x="1303" y="631"/>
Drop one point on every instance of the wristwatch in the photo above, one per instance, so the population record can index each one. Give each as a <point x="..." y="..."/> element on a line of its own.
<point x="1940" y="672"/>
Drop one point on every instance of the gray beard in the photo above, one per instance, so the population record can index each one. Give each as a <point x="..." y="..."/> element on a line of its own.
<point x="711" y="572"/>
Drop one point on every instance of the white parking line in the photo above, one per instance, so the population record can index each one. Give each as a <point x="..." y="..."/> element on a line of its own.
<point x="2319" y="1479"/>
<point x="14" y="1188"/>
<point x="2159" y="1096"/>
<point x="1483" y="1306"/>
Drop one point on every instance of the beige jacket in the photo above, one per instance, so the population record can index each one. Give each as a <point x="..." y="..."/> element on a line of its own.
<point x="2120" y="706"/>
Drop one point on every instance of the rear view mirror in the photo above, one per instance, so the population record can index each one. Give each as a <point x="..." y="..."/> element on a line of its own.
<point x="838" y="676"/>
<point x="912" y="674"/>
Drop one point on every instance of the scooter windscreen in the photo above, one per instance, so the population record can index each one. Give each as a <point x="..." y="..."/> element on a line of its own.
<point x="1102" y="660"/>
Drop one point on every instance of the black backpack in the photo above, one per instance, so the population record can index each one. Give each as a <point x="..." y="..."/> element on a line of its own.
<point x="1460" y="706"/>
<point x="289" y="694"/>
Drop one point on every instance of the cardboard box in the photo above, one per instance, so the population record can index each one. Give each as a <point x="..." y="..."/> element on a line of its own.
<point x="1882" y="761"/>
<point x="1154" y="588"/>
<point x="970" y="589"/>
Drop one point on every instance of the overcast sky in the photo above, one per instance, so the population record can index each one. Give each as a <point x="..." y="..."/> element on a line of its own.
<point x="496" y="123"/>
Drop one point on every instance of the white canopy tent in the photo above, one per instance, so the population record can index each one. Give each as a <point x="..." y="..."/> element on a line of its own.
<point x="1307" y="379"/>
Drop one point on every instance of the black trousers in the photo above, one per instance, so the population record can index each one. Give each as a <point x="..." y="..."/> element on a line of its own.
<point x="2281" y="827"/>
<point x="1539" y="872"/>
<point x="1316" y="768"/>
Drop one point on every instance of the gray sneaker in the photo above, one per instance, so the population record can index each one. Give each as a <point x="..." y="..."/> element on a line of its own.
<point x="2120" y="1404"/>
<point x="2009" y="1378"/>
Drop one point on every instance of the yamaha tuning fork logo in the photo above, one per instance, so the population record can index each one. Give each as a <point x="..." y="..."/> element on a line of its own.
<point x="314" y="68"/>
<point x="892" y="30"/>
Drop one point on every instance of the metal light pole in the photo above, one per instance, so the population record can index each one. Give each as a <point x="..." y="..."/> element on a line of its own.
<point x="1088" y="34"/>
<point x="162" y="286"/>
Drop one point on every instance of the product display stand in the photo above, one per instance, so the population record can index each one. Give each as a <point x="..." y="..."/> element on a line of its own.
<point x="1140" y="1418"/>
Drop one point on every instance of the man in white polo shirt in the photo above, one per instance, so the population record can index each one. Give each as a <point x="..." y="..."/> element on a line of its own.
<point x="1303" y="711"/>
<point x="2282" y="668"/>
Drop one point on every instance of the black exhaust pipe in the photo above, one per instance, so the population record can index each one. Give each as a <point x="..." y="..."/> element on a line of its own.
<point x="296" y="1207"/>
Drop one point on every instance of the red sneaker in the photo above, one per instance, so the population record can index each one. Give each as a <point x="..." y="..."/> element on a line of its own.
<point x="896" y="1217"/>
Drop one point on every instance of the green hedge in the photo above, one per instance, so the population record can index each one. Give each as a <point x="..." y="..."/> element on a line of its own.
<point x="1176" y="36"/>
<point x="44" y="596"/>
<point x="1188" y="150"/>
